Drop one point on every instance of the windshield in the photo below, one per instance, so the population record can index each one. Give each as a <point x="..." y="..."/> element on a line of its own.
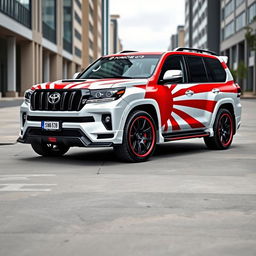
<point x="131" y="66"/>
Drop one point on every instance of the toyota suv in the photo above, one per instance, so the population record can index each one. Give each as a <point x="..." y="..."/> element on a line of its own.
<point x="132" y="101"/>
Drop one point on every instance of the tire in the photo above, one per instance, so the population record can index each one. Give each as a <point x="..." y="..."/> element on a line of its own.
<point x="139" y="138"/>
<point x="45" y="149"/>
<point x="223" y="131"/>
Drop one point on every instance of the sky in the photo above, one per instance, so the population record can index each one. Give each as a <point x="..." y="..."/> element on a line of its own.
<point x="146" y="25"/>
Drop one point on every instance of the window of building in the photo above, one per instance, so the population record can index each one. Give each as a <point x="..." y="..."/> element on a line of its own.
<point x="67" y="25"/>
<point x="19" y="10"/>
<point x="229" y="30"/>
<point x="251" y="13"/>
<point x="91" y="10"/>
<point x="49" y="19"/>
<point x="91" y="59"/>
<point x="90" y="27"/>
<point x="25" y="3"/>
<point x="79" y="4"/>
<point x="77" y="18"/>
<point x="196" y="69"/>
<point x="78" y="52"/>
<point x="239" y="2"/>
<point x="215" y="71"/>
<point x="240" y="21"/>
<point x="229" y="8"/>
<point x="90" y="43"/>
<point x="78" y="35"/>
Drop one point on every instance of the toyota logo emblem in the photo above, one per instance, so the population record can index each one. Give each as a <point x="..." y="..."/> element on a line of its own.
<point x="54" y="98"/>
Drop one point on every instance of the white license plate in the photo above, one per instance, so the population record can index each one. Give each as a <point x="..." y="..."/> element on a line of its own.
<point x="50" y="125"/>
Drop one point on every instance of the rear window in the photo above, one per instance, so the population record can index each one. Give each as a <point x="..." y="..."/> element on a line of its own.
<point x="196" y="69"/>
<point x="216" y="72"/>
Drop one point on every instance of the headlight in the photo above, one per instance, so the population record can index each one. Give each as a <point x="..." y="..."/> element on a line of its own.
<point x="105" y="95"/>
<point x="27" y="95"/>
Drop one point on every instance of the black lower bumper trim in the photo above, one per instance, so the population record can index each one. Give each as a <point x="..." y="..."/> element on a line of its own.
<point x="68" y="137"/>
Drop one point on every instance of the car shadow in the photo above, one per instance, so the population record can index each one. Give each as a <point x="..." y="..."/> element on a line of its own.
<point x="106" y="156"/>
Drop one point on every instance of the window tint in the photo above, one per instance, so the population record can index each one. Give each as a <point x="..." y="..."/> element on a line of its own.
<point x="173" y="63"/>
<point x="216" y="72"/>
<point x="196" y="69"/>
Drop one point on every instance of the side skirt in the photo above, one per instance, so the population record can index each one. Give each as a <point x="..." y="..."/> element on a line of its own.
<point x="185" y="135"/>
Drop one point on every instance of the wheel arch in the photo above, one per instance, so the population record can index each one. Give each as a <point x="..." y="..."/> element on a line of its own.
<point x="225" y="104"/>
<point x="149" y="106"/>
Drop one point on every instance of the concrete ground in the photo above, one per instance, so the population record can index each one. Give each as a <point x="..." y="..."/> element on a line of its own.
<point x="186" y="200"/>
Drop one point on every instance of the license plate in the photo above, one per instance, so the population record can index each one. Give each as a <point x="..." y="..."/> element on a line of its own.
<point x="50" y="125"/>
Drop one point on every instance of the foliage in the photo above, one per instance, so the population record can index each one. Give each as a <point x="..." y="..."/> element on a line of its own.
<point x="250" y="37"/>
<point x="241" y="71"/>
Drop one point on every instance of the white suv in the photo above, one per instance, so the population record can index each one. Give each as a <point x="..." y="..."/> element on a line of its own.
<point x="131" y="101"/>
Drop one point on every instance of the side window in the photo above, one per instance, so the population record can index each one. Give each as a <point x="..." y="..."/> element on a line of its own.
<point x="173" y="63"/>
<point x="216" y="72"/>
<point x="196" y="69"/>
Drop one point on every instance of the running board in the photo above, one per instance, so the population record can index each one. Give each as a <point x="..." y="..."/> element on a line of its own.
<point x="185" y="135"/>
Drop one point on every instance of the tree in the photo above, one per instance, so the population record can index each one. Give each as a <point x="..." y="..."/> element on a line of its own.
<point x="250" y="37"/>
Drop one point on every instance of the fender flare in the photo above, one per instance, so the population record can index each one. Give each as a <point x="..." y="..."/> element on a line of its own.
<point x="137" y="103"/>
<point x="216" y="109"/>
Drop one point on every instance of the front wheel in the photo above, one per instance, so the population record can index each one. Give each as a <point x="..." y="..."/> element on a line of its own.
<point x="139" y="139"/>
<point x="46" y="149"/>
<point x="223" y="131"/>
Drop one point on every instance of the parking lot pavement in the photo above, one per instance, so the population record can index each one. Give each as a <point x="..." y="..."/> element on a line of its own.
<point x="186" y="200"/>
<point x="9" y="125"/>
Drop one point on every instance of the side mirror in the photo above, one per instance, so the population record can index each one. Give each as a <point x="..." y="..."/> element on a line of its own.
<point x="173" y="76"/>
<point x="76" y="75"/>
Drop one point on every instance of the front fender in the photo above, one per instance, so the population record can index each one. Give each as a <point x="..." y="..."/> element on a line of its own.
<point x="137" y="103"/>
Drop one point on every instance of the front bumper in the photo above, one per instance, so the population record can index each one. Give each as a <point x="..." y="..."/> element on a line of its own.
<point x="84" y="128"/>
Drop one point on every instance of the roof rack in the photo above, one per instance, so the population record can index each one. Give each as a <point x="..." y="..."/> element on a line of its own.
<point x="127" y="51"/>
<point x="181" y="49"/>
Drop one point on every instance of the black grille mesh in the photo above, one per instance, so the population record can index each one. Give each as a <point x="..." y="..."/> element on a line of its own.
<point x="70" y="100"/>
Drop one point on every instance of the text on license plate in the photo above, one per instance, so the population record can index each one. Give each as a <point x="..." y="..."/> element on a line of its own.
<point x="50" y="125"/>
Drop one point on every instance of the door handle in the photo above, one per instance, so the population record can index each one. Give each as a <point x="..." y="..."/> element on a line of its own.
<point x="189" y="93"/>
<point x="215" y="90"/>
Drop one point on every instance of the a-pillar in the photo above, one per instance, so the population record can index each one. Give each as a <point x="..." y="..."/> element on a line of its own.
<point x="11" y="67"/>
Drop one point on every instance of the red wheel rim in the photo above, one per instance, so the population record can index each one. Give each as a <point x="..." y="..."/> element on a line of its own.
<point x="225" y="129"/>
<point x="142" y="136"/>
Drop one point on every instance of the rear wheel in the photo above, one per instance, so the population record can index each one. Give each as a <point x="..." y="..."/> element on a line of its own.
<point x="223" y="131"/>
<point x="47" y="149"/>
<point x="139" y="139"/>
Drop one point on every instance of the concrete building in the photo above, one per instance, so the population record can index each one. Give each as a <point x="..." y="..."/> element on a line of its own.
<point x="235" y="15"/>
<point x="178" y="39"/>
<point x="202" y="24"/>
<point x="115" y="44"/>
<point x="46" y="40"/>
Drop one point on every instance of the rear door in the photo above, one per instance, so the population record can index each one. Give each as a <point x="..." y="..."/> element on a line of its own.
<point x="196" y="102"/>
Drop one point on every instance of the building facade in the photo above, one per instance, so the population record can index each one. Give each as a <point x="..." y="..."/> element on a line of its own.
<point x="235" y="16"/>
<point x="46" y="40"/>
<point x="202" y="24"/>
<point x="178" y="39"/>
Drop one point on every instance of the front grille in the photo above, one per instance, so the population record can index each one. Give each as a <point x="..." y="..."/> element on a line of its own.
<point x="70" y="100"/>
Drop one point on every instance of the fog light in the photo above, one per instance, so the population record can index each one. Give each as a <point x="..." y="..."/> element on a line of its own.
<point x="107" y="121"/>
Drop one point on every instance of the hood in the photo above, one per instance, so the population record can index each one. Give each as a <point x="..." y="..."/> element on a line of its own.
<point x="90" y="84"/>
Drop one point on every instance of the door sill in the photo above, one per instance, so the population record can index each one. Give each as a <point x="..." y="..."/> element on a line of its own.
<point x="185" y="135"/>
